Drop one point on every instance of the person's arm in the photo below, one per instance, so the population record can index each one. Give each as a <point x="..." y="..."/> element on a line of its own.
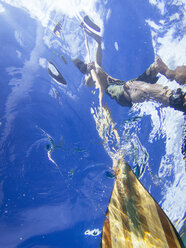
<point x="99" y="55"/>
<point x="98" y="39"/>
<point x="101" y="76"/>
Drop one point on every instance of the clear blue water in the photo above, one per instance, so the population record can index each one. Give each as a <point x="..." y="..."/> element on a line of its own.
<point x="55" y="170"/>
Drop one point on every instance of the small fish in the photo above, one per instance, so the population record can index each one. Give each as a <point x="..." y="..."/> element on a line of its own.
<point x="136" y="170"/>
<point x="50" y="148"/>
<point x="71" y="173"/>
<point x="57" y="29"/>
<point x="63" y="58"/>
<point x="110" y="174"/>
<point x="58" y="96"/>
<point x="133" y="119"/>
<point x="79" y="150"/>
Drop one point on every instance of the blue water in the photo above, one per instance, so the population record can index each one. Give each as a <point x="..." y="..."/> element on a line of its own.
<point x="52" y="201"/>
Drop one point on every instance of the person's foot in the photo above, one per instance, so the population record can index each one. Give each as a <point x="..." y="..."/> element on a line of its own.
<point x="90" y="66"/>
<point x="95" y="36"/>
<point x="91" y="24"/>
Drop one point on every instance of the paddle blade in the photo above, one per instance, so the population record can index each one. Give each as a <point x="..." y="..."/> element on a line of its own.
<point x="134" y="219"/>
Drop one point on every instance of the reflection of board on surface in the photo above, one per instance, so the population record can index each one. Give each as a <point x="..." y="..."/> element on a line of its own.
<point x="134" y="219"/>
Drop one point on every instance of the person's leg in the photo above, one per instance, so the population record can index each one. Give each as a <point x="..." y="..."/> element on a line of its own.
<point x="82" y="66"/>
<point x="179" y="74"/>
<point x="98" y="39"/>
<point x="150" y="75"/>
<point x="139" y="91"/>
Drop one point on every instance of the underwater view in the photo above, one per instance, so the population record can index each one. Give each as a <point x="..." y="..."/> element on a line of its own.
<point x="89" y="87"/>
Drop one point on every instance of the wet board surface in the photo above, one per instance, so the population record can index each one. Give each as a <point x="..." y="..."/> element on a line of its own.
<point x="133" y="218"/>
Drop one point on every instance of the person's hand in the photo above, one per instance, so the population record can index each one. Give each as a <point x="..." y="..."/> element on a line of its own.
<point x="90" y="66"/>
